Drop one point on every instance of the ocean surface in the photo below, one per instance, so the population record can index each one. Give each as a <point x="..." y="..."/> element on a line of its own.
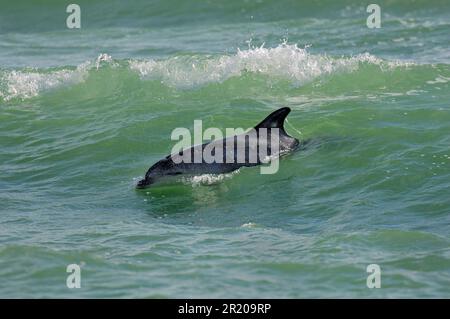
<point x="85" y="112"/>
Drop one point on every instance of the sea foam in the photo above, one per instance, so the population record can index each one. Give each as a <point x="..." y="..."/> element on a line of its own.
<point x="284" y="61"/>
<point x="28" y="84"/>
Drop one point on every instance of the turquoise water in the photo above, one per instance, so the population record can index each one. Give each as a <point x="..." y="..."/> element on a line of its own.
<point x="78" y="129"/>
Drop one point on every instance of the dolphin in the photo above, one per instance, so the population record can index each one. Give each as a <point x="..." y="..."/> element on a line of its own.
<point x="264" y="137"/>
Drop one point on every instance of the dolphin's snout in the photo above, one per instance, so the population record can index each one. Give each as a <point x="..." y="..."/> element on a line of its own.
<point x="143" y="183"/>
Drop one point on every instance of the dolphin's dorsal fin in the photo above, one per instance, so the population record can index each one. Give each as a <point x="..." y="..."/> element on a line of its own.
<point x="275" y="119"/>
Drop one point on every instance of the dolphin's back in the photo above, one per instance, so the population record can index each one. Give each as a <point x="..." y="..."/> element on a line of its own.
<point x="227" y="154"/>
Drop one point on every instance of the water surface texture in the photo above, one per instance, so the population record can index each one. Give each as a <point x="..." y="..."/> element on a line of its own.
<point x="85" y="112"/>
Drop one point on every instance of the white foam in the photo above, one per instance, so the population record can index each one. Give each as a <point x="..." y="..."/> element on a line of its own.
<point x="284" y="61"/>
<point x="440" y="79"/>
<point x="249" y="225"/>
<point x="25" y="84"/>
<point x="208" y="179"/>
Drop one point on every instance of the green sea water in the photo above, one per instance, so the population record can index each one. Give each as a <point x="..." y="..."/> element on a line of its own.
<point x="85" y="112"/>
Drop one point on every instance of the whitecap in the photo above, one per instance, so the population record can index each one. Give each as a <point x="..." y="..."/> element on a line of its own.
<point x="26" y="84"/>
<point x="284" y="61"/>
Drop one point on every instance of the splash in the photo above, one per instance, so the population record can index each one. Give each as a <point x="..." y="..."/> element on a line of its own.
<point x="102" y="58"/>
<point x="208" y="179"/>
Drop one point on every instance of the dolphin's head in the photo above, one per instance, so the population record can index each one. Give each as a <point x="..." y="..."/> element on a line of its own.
<point x="160" y="169"/>
<point x="144" y="183"/>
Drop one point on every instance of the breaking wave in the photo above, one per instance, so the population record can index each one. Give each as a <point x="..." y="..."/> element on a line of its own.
<point x="286" y="62"/>
<point x="28" y="84"/>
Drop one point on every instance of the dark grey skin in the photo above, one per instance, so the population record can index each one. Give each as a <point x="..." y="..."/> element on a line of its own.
<point x="167" y="167"/>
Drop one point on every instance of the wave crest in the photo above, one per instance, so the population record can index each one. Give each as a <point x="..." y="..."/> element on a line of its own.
<point x="284" y="61"/>
<point x="24" y="85"/>
<point x="288" y="62"/>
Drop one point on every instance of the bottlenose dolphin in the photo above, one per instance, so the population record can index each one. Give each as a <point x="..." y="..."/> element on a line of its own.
<point x="242" y="154"/>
